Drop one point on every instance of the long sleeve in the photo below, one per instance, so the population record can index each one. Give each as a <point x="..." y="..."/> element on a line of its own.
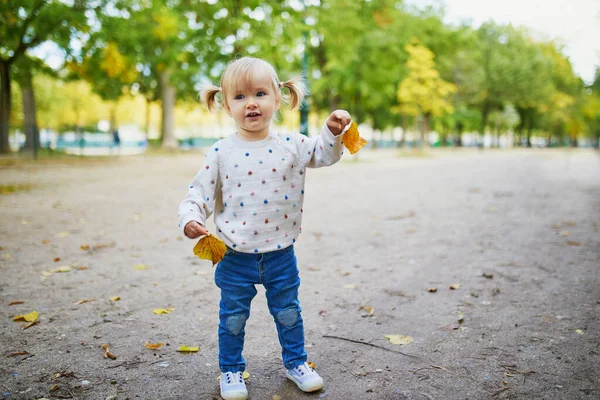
<point x="320" y="151"/>
<point x="199" y="203"/>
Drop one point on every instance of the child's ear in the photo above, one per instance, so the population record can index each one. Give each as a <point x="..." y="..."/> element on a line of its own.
<point x="277" y="103"/>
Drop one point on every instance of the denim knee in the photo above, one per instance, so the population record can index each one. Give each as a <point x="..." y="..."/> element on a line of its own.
<point x="235" y="323"/>
<point x="288" y="316"/>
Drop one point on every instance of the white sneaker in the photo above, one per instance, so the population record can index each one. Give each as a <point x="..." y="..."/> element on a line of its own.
<point x="305" y="377"/>
<point x="233" y="386"/>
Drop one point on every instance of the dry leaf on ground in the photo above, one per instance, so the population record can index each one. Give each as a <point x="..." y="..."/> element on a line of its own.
<point x="311" y="364"/>
<point x="352" y="139"/>
<point x="455" y="286"/>
<point x="460" y="317"/>
<point x="350" y="286"/>
<point x="107" y="353"/>
<point x="84" y="247"/>
<point x="187" y="349"/>
<point x="32" y="316"/>
<point x="140" y="267"/>
<point x="432" y="290"/>
<point x="115" y="298"/>
<point x="29" y="325"/>
<point x="154" y="346"/>
<point x="12" y="303"/>
<point x="368" y="309"/>
<point x="18" y="353"/>
<point x="84" y="301"/>
<point x="573" y="243"/>
<point x="210" y="248"/>
<point x="399" y="339"/>
<point x="163" y="310"/>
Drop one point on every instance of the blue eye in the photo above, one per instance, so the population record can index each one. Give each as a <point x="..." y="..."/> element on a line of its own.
<point x="239" y="97"/>
<point x="261" y="94"/>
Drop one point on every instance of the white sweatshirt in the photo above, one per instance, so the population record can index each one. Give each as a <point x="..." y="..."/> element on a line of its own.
<point x="256" y="189"/>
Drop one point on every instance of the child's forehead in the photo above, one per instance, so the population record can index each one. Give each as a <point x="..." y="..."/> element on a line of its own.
<point x="251" y="80"/>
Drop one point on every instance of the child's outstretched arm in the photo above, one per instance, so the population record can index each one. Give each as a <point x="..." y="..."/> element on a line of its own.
<point x="327" y="148"/>
<point x="199" y="203"/>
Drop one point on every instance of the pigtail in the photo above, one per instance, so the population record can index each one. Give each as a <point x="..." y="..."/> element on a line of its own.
<point x="208" y="95"/>
<point x="298" y="90"/>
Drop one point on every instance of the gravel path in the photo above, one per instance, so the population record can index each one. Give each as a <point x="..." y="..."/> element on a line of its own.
<point x="517" y="230"/>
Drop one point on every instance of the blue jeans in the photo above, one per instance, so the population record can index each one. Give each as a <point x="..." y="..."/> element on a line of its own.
<point x="236" y="276"/>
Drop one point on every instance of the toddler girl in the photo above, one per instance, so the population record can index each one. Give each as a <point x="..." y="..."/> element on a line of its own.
<point x="253" y="181"/>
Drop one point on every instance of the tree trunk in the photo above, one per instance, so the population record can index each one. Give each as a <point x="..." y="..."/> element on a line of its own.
<point x="460" y="127"/>
<point x="29" y="114"/>
<point x="32" y="135"/>
<point x="147" y="118"/>
<point x="4" y="106"/>
<point x="167" y="93"/>
<point x="424" y="128"/>
<point x="597" y="142"/>
<point x="402" y="141"/>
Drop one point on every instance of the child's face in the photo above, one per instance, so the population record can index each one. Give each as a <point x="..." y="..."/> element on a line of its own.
<point x="252" y="106"/>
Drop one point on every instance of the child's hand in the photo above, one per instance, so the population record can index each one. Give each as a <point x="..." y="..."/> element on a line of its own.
<point x="337" y="121"/>
<point x="193" y="230"/>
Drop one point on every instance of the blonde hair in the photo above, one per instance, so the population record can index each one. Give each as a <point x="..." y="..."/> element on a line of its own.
<point x="241" y="72"/>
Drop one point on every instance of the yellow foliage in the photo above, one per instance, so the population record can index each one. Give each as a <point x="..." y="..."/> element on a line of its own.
<point x="423" y="91"/>
<point x="210" y="248"/>
<point x="116" y="65"/>
<point x="166" y="25"/>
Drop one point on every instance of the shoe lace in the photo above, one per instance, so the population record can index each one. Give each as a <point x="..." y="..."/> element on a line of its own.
<point x="229" y="376"/>
<point x="302" y="368"/>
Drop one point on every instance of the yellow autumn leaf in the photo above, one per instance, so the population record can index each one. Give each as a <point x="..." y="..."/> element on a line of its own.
<point x="107" y="353"/>
<point x="140" y="267"/>
<point x="32" y="316"/>
<point x="455" y="286"/>
<point x="399" y="339"/>
<point x="350" y="286"/>
<point x="64" y="268"/>
<point x="352" y="139"/>
<point x="579" y="331"/>
<point x="311" y="364"/>
<point x="115" y="298"/>
<point x="210" y="248"/>
<point x="368" y="309"/>
<point x="163" y="310"/>
<point x="154" y="346"/>
<point x="187" y="349"/>
<point x="84" y="301"/>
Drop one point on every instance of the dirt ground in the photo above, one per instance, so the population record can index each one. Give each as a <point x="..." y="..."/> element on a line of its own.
<point x="518" y="230"/>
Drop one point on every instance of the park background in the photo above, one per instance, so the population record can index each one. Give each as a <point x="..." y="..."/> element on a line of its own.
<point x="483" y="262"/>
<point x="72" y="72"/>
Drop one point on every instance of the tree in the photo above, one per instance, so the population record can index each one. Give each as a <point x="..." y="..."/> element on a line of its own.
<point x="423" y="92"/>
<point x="24" y="25"/>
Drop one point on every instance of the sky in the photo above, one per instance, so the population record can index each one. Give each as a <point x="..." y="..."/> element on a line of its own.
<point x="575" y="23"/>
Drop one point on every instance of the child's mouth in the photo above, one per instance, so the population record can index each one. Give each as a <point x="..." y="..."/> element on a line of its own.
<point x="252" y="115"/>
